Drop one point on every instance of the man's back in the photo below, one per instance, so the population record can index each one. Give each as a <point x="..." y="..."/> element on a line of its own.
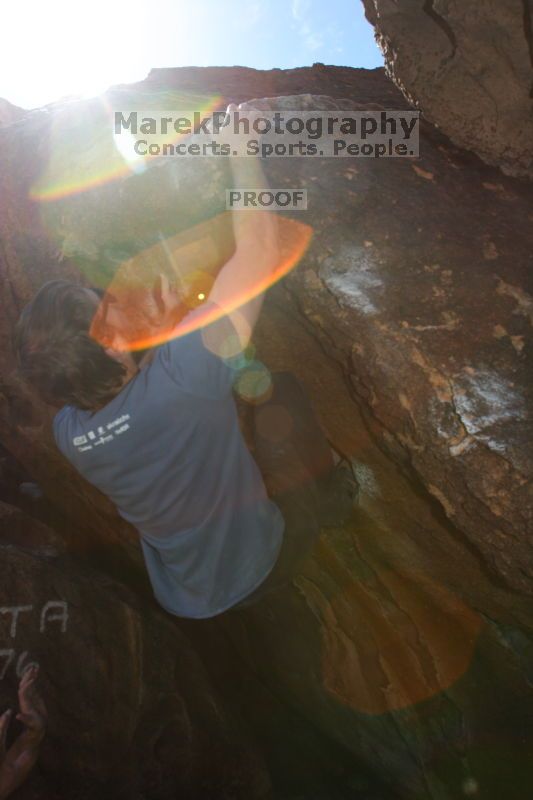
<point x="169" y="452"/>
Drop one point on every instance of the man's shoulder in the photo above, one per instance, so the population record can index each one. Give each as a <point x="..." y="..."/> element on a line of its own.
<point x="202" y="353"/>
<point x="61" y="424"/>
<point x="62" y="416"/>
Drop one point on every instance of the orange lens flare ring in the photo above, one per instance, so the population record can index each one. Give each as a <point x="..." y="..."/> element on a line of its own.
<point x="115" y="326"/>
<point x="391" y="655"/>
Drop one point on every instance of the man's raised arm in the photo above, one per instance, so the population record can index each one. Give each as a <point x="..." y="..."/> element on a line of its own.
<point x="244" y="277"/>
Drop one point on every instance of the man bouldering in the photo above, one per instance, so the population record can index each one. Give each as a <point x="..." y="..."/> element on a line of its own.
<point x="161" y="438"/>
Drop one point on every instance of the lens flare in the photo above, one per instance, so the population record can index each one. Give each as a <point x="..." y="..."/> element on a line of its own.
<point x="254" y="384"/>
<point x="390" y="640"/>
<point x="132" y="319"/>
<point x="85" y="152"/>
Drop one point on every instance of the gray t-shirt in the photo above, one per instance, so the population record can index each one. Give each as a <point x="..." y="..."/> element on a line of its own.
<point x="168" y="451"/>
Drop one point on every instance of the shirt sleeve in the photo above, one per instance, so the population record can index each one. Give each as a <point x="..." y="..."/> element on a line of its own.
<point x="193" y="359"/>
<point x="58" y="429"/>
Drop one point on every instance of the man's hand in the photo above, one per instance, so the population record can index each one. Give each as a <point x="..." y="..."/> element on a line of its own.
<point x="168" y="303"/>
<point x="16" y="764"/>
<point x="237" y="139"/>
<point x="32" y="708"/>
<point x="138" y="315"/>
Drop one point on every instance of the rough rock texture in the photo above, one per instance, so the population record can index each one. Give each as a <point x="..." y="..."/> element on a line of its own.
<point x="469" y="67"/>
<point x="407" y="638"/>
<point x="132" y="712"/>
<point x="420" y="287"/>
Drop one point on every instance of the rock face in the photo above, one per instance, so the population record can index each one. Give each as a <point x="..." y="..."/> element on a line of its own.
<point x="9" y="113"/>
<point x="406" y="640"/>
<point x="132" y="712"/>
<point x="469" y="67"/>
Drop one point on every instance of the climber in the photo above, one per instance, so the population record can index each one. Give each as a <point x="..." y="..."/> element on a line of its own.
<point x="18" y="761"/>
<point x="162" y="439"/>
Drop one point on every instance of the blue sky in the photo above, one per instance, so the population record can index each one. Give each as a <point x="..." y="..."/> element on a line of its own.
<point x="75" y="47"/>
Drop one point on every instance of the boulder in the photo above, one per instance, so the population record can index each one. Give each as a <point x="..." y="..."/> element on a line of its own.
<point x="468" y="67"/>
<point x="10" y="113"/>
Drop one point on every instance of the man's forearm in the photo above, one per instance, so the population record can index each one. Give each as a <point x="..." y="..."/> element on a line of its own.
<point x="248" y="170"/>
<point x="257" y="228"/>
<point x="240" y="285"/>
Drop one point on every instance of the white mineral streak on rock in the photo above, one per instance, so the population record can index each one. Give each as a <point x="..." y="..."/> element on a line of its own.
<point x="350" y="276"/>
<point x="365" y="478"/>
<point x="483" y="400"/>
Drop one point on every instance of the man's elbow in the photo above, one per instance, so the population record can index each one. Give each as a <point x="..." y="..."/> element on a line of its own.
<point x="268" y="252"/>
<point x="262" y="240"/>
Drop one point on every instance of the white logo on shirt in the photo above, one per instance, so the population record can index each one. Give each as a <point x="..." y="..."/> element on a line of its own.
<point x="105" y="433"/>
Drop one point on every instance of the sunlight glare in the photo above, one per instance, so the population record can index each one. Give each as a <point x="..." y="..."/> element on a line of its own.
<point x="69" y="48"/>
